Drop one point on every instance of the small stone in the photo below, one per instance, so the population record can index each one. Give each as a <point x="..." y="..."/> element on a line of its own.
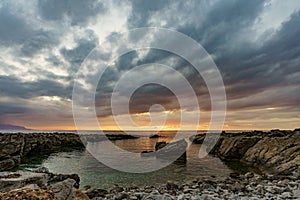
<point x="286" y="195"/>
<point x="121" y="196"/>
<point x="170" y="185"/>
<point x="234" y="175"/>
<point x="249" y="175"/>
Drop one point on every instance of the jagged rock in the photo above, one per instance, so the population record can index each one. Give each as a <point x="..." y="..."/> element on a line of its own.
<point x="15" y="146"/>
<point x="276" y="152"/>
<point x="7" y="164"/>
<point x="64" y="190"/>
<point x="79" y="195"/>
<point x="92" y="193"/>
<point x="54" y="178"/>
<point x="279" y="154"/>
<point x="235" y="147"/>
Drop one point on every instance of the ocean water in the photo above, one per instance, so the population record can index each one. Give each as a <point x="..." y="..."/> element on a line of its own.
<point x="94" y="173"/>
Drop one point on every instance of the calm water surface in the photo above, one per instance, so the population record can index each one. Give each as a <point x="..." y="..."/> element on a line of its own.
<point x="96" y="174"/>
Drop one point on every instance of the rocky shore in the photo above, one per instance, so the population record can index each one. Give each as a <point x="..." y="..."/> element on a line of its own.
<point x="275" y="152"/>
<point x="16" y="146"/>
<point x="41" y="184"/>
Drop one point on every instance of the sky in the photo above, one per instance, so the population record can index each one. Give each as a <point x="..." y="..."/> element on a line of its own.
<point x="255" y="45"/>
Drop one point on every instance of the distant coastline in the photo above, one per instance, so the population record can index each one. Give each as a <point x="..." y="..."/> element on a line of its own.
<point x="12" y="127"/>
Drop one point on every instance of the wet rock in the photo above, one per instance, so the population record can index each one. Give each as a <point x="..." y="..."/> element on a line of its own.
<point x="171" y="185"/>
<point x="121" y="196"/>
<point x="54" y="178"/>
<point x="64" y="190"/>
<point x="16" y="146"/>
<point x="158" y="197"/>
<point x="91" y="193"/>
<point x="234" y="175"/>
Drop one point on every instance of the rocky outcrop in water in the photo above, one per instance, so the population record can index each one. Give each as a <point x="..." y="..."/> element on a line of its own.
<point x="276" y="152"/>
<point x="15" y="146"/>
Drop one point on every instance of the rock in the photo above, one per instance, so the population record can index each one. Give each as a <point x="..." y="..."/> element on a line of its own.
<point x="276" y="152"/>
<point x="27" y="193"/>
<point x="158" y="197"/>
<point x="286" y="195"/>
<point x="173" y="151"/>
<point x="147" y="153"/>
<point x="154" y="136"/>
<point x="91" y="193"/>
<point x="79" y="195"/>
<point x="64" y="190"/>
<point x="7" y="164"/>
<point x="170" y="185"/>
<point x="280" y="155"/>
<point x="160" y="145"/>
<point x="54" y="178"/>
<point x="198" y="139"/>
<point x="16" y="146"/>
<point x="15" y="180"/>
<point x="41" y="170"/>
<point x="116" y="189"/>
<point x="234" y="175"/>
<point x="249" y="175"/>
<point x="121" y="196"/>
<point x="234" y="148"/>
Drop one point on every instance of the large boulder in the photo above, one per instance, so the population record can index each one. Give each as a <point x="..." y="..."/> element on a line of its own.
<point x="64" y="190"/>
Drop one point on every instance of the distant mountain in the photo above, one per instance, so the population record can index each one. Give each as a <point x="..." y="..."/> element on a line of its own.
<point x="11" y="127"/>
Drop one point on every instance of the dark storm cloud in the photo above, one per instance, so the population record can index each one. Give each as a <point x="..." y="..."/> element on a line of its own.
<point x="77" y="55"/>
<point x="271" y="65"/>
<point x="13" y="29"/>
<point x="38" y="41"/>
<point x="248" y="67"/>
<point x="14" y="87"/>
<point x="142" y="10"/>
<point x="11" y="108"/>
<point x="78" y="11"/>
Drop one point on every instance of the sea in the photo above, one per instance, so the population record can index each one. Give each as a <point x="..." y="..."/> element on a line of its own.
<point x="96" y="174"/>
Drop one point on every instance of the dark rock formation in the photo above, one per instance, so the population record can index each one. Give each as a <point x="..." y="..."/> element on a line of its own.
<point x="276" y="152"/>
<point x="154" y="136"/>
<point x="15" y="146"/>
<point x="38" y="182"/>
<point x="63" y="190"/>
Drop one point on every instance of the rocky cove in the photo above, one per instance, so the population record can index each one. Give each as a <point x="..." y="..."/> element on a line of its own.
<point x="275" y="153"/>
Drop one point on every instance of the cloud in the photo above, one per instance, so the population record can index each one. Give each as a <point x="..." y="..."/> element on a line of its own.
<point x="14" y="30"/>
<point x="78" y="12"/>
<point x="76" y="55"/>
<point x="39" y="41"/>
<point x="13" y="87"/>
<point x="43" y="45"/>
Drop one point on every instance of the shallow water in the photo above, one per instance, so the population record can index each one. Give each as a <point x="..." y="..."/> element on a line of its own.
<point x="96" y="174"/>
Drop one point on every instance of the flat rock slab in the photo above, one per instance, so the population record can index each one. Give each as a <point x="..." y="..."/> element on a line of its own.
<point x="14" y="180"/>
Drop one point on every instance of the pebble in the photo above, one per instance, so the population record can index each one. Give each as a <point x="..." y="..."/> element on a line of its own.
<point x="245" y="188"/>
